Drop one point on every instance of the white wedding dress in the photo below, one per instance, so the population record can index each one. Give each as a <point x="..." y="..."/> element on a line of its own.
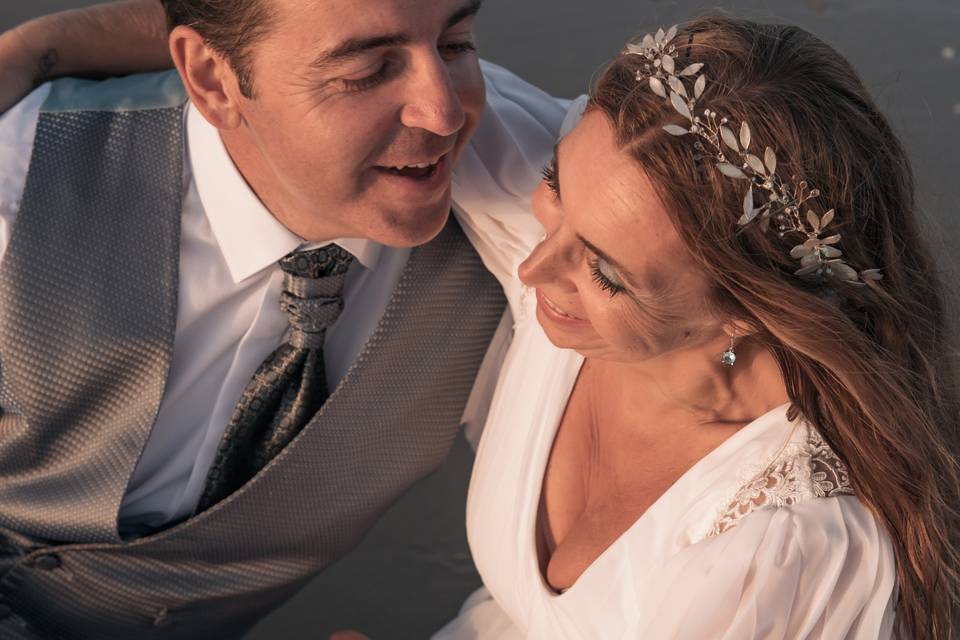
<point x="760" y="539"/>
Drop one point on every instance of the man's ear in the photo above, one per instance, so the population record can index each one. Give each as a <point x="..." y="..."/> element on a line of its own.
<point x="208" y="78"/>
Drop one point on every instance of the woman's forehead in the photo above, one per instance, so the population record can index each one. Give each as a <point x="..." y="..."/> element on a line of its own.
<point x="608" y="196"/>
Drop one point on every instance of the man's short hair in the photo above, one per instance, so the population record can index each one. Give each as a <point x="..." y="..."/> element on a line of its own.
<point x="229" y="27"/>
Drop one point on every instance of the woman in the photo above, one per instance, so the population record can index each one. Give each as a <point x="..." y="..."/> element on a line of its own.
<point x="747" y="431"/>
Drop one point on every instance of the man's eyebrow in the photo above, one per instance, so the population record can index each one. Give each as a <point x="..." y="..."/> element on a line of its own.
<point x="467" y="11"/>
<point x="353" y="47"/>
<point x="349" y="49"/>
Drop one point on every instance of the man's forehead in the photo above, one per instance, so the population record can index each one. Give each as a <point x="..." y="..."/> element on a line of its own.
<point x="341" y="19"/>
<point x="371" y="24"/>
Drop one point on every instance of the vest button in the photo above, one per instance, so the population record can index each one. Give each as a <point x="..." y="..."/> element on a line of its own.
<point x="47" y="562"/>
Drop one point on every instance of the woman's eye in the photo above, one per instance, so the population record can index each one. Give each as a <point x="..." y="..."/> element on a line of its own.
<point x="605" y="278"/>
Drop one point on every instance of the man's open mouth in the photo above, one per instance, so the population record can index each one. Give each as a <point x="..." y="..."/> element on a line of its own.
<point x="418" y="171"/>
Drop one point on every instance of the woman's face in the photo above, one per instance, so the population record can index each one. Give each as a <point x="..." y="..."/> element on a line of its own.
<point x="612" y="277"/>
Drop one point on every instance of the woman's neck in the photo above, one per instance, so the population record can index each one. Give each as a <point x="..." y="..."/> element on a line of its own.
<point x="694" y="382"/>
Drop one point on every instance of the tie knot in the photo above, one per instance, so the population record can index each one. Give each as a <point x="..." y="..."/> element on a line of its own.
<point x="330" y="260"/>
<point x="313" y="292"/>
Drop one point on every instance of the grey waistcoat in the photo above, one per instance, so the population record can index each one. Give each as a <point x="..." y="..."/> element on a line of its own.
<point x="88" y="297"/>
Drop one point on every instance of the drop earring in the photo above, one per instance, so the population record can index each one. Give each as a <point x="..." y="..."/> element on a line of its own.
<point x="729" y="357"/>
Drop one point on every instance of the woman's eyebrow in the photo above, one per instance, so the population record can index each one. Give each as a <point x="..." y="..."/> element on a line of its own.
<point x="613" y="263"/>
<point x="628" y="276"/>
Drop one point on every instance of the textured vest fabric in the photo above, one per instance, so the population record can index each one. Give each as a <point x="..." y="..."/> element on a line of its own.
<point x="87" y="317"/>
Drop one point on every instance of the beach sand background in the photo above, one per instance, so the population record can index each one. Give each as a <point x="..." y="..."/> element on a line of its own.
<point x="412" y="572"/>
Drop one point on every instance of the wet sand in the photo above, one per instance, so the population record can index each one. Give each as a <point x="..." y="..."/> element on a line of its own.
<point x="413" y="570"/>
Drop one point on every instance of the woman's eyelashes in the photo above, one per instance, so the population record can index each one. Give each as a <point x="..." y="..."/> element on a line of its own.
<point x="552" y="177"/>
<point x="389" y="68"/>
<point x="604" y="277"/>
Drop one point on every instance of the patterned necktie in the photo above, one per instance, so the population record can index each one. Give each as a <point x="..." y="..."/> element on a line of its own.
<point x="290" y="386"/>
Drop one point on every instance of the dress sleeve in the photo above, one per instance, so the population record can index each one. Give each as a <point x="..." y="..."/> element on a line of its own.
<point x="820" y="570"/>
<point x="480" y="618"/>
<point x="500" y="169"/>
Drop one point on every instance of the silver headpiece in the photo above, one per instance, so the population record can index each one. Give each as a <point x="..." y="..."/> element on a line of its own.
<point x="781" y="203"/>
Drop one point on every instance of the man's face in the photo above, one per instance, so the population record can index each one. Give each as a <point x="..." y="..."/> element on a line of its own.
<point x="361" y="108"/>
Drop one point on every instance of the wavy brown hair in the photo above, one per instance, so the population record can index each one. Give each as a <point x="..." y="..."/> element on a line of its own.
<point x="870" y="366"/>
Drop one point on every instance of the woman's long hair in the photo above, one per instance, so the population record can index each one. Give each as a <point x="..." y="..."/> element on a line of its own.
<point x="870" y="366"/>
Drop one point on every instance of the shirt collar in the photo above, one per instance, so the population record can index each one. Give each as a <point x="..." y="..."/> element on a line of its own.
<point x="250" y="237"/>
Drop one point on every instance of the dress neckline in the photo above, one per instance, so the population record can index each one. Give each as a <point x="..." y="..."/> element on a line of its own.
<point x="748" y="432"/>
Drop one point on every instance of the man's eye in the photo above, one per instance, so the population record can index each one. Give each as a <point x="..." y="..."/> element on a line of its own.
<point x="459" y="48"/>
<point x="381" y="75"/>
<point x="388" y="69"/>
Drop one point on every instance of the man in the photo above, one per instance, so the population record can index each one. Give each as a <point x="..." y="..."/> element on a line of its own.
<point x="236" y="318"/>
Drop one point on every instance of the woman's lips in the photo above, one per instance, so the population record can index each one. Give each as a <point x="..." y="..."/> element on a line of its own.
<point x="555" y="313"/>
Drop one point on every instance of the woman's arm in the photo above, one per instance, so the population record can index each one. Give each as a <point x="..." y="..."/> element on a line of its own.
<point x="116" y="38"/>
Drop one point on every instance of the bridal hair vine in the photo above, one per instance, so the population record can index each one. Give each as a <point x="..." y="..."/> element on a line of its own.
<point x="781" y="203"/>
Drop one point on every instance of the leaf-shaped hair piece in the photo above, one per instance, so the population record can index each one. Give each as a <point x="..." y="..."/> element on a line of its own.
<point x="785" y="206"/>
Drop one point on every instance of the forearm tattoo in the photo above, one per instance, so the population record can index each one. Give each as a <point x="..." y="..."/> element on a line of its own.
<point x="48" y="61"/>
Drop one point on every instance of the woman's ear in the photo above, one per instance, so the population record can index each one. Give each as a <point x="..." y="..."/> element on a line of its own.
<point x="738" y="329"/>
<point x="208" y="78"/>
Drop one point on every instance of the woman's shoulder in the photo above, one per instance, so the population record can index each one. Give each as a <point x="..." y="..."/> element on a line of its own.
<point x="822" y="568"/>
<point x="803" y="470"/>
<point x="804" y="502"/>
<point x="795" y="551"/>
<point x="794" y="539"/>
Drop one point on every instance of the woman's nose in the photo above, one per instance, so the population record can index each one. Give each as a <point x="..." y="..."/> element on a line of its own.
<point x="545" y="207"/>
<point x="552" y="262"/>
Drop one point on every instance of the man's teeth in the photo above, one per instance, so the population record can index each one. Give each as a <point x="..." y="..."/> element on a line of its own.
<point x="425" y="165"/>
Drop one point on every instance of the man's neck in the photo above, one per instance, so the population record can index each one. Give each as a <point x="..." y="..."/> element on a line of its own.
<point x="264" y="183"/>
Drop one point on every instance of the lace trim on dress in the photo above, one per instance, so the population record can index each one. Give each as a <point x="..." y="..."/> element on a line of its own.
<point x="804" y="469"/>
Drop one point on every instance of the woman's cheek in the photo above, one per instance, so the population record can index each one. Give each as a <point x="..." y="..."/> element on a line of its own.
<point x="622" y="330"/>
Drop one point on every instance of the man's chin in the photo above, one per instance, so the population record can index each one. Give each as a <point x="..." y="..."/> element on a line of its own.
<point x="413" y="228"/>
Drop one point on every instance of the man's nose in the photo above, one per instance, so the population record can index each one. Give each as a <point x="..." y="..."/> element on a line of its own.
<point x="434" y="104"/>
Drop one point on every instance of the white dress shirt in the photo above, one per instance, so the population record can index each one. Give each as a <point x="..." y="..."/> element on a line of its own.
<point x="228" y="318"/>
